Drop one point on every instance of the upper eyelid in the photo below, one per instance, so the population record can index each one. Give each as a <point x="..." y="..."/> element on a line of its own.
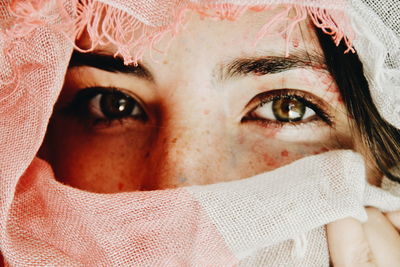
<point x="101" y="89"/>
<point x="270" y="94"/>
<point x="322" y="107"/>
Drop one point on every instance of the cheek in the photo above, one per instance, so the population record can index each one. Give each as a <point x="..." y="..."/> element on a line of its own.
<point x="269" y="153"/>
<point x="278" y="157"/>
<point x="95" y="162"/>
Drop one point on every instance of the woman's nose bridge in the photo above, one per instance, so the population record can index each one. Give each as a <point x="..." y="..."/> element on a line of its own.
<point x="190" y="140"/>
<point x="186" y="144"/>
<point x="185" y="152"/>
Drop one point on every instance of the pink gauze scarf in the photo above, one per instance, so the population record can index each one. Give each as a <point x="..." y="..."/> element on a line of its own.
<point x="258" y="221"/>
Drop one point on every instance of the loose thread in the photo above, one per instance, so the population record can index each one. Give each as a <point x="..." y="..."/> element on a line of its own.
<point x="105" y="24"/>
<point x="300" y="244"/>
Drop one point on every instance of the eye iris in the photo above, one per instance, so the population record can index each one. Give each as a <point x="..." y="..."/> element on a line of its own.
<point x="288" y="109"/>
<point x="116" y="105"/>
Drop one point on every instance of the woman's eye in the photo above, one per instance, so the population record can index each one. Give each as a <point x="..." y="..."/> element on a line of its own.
<point x="284" y="109"/>
<point x="287" y="106"/>
<point x="114" y="105"/>
<point x="105" y="105"/>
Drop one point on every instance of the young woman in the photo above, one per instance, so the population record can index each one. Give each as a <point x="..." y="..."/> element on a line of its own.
<point x="220" y="103"/>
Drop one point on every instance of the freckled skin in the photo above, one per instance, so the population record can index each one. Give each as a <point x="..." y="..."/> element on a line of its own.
<point x="285" y="153"/>
<point x="270" y="161"/>
<point x="194" y="134"/>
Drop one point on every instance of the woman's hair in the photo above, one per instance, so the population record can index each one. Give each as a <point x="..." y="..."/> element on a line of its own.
<point x="382" y="139"/>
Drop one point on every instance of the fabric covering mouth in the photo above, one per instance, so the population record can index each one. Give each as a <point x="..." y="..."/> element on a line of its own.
<point x="257" y="221"/>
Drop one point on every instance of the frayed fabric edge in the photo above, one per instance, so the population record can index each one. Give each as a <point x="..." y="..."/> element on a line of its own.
<point x="106" y="25"/>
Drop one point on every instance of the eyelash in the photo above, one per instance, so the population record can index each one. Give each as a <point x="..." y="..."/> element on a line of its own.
<point x="79" y="106"/>
<point x="80" y="102"/>
<point x="305" y="98"/>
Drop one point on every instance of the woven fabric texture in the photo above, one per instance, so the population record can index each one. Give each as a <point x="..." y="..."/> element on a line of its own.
<point x="256" y="221"/>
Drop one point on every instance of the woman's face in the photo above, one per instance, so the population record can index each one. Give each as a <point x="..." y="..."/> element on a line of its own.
<point x="214" y="108"/>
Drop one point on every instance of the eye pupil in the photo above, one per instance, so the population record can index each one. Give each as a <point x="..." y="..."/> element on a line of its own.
<point x="116" y="105"/>
<point x="288" y="109"/>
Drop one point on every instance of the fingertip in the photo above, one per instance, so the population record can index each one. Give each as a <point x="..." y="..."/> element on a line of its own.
<point x="383" y="238"/>
<point x="348" y="245"/>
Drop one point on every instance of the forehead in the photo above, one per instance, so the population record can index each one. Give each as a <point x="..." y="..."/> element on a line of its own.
<point x="268" y="31"/>
<point x="205" y="47"/>
<point x="253" y="34"/>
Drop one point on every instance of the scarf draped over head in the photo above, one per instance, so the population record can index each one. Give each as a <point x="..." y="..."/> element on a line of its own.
<point x="257" y="221"/>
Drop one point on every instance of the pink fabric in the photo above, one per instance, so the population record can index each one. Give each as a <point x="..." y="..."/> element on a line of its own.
<point x="46" y="223"/>
<point x="70" y="227"/>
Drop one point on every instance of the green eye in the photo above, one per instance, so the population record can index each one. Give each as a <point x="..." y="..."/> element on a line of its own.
<point x="283" y="109"/>
<point x="289" y="109"/>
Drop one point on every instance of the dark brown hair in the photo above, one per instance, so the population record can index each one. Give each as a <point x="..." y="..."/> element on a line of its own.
<point x="382" y="139"/>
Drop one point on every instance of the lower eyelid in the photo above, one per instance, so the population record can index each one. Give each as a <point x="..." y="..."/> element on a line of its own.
<point x="113" y="126"/>
<point x="281" y="124"/>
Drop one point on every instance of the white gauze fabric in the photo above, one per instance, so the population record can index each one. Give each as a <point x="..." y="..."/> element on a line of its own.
<point x="272" y="219"/>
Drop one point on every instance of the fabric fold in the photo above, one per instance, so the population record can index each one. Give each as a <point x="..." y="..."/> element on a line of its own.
<point x="226" y="224"/>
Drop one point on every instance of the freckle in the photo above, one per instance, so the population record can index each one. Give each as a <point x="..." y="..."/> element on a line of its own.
<point x="206" y="111"/>
<point x="165" y="62"/>
<point x="120" y="186"/>
<point x="174" y="140"/>
<point x="285" y="153"/>
<point x="324" y="149"/>
<point x="270" y="161"/>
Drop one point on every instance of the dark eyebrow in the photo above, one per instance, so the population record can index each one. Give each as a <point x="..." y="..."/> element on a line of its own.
<point x="270" y="64"/>
<point x="108" y="63"/>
